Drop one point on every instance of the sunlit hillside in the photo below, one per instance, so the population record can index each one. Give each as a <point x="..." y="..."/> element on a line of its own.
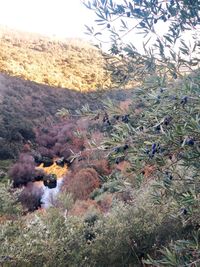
<point x="72" y="64"/>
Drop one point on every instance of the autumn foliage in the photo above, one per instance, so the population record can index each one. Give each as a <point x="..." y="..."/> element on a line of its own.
<point x="82" y="183"/>
<point x="82" y="207"/>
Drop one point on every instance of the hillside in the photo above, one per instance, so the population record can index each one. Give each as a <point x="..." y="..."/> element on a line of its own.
<point x="26" y="105"/>
<point x="72" y="64"/>
<point x="130" y="190"/>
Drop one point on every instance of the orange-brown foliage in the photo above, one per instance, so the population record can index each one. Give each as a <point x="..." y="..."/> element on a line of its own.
<point x="105" y="202"/>
<point x="82" y="183"/>
<point x="100" y="166"/>
<point x="77" y="142"/>
<point x="148" y="170"/>
<point x="123" y="166"/>
<point x="81" y="207"/>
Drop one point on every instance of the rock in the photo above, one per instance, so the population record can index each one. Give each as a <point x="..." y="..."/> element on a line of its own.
<point x="50" y="181"/>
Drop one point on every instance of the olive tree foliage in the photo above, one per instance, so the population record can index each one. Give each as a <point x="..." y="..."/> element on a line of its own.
<point x="161" y="24"/>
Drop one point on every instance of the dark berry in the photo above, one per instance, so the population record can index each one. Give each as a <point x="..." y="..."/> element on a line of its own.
<point x="108" y="25"/>
<point x="128" y="14"/>
<point x="167" y="120"/>
<point x="117" y="149"/>
<point x="190" y="142"/>
<point x="184" y="100"/>
<point x="184" y="211"/>
<point x="155" y="21"/>
<point x="157" y="129"/>
<point x="116" y="117"/>
<point x="105" y="118"/>
<point x="154" y="146"/>
<point x="117" y="161"/>
<point x="147" y="151"/>
<point x="164" y="18"/>
<point x="169" y="175"/>
<point x="126" y="147"/>
<point x="125" y="118"/>
<point x="153" y="151"/>
<point x="142" y="24"/>
<point x="108" y="122"/>
<point x="172" y="2"/>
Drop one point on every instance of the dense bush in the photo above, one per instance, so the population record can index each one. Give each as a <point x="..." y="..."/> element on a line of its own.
<point x="23" y="171"/>
<point x="9" y="205"/>
<point x="82" y="183"/>
<point x="30" y="197"/>
<point x="59" y="140"/>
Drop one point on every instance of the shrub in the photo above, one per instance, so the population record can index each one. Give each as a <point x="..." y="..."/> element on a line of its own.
<point x="9" y="205"/>
<point x="83" y="207"/>
<point x="82" y="183"/>
<point x="30" y="197"/>
<point x="23" y="170"/>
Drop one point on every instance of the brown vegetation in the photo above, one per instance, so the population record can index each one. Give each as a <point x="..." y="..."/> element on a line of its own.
<point x="82" y="183"/>
<point x="82" y="207"/>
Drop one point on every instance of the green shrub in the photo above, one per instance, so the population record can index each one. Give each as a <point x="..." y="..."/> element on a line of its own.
<point x="9" y="205"/>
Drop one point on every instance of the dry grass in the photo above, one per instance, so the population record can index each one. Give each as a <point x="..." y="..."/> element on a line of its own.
<point x="72" y="64"/>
